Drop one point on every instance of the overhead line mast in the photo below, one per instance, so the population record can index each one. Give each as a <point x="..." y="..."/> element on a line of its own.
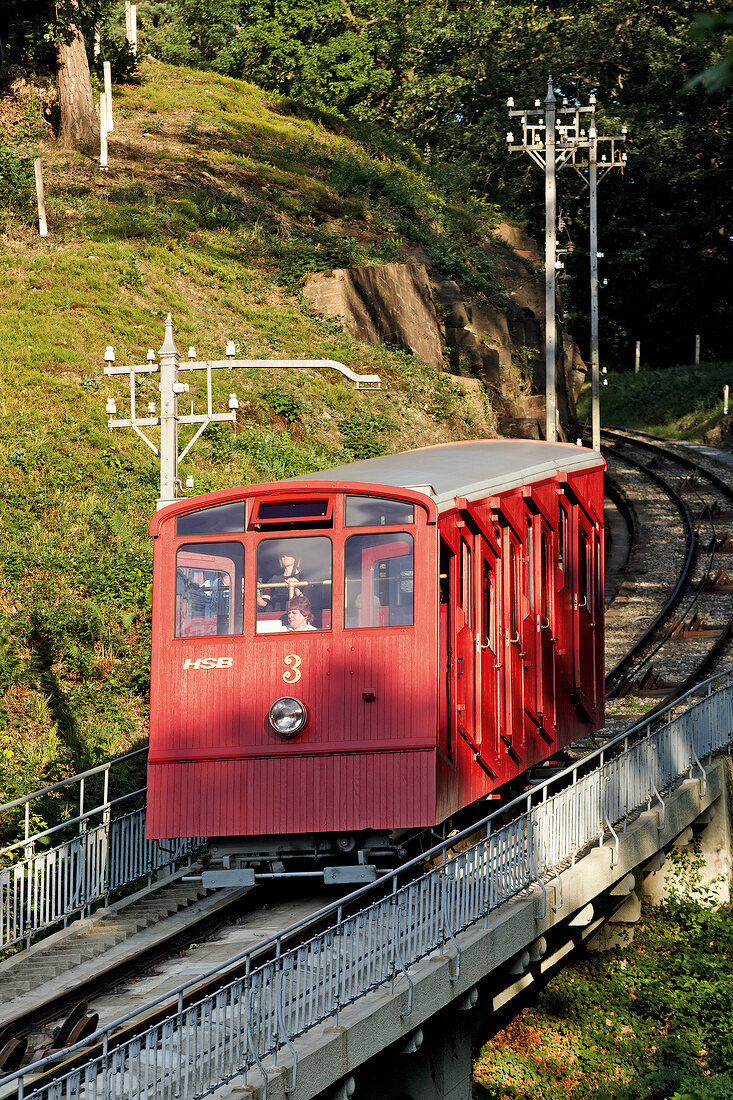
<point x="555" y="138"/>
<point x="171" y="388"/>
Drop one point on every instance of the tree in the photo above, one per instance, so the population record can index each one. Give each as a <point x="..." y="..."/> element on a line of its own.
<point x="440" y="71"/>
<point x="79" y="124"/>
<point x="50" y="38"/>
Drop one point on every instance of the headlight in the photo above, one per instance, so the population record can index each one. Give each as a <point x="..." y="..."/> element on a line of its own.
<point x="287" y="716"/>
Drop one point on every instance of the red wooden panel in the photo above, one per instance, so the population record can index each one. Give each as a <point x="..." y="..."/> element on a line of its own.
<point x="298" y="794"/>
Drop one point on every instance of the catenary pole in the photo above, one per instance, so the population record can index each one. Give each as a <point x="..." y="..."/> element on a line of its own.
<point x="594" y="356"/>
<point x="554" y="138"/>
<point x="170" y="388"/>
<point x="550" y="273"/>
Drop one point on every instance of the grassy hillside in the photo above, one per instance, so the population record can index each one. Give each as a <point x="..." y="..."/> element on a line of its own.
<point x="683" y="402"/>
<point x="217" y="202"/>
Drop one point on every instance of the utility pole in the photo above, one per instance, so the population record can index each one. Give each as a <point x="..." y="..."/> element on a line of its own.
<point x="171" y="388"/>
<point x="614" y="159"/>
<point x="550" y="266"/>
<point x="555" y="137"/>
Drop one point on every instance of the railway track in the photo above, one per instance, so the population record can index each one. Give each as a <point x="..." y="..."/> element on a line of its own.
<point x="690" y="628"/>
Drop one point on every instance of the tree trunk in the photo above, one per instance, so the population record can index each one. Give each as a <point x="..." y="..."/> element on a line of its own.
<point x="79" y="124"/>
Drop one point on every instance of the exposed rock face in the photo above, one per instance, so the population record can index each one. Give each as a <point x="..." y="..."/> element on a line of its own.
<point x="390" y="304"/>
<point x="500" y="342"/>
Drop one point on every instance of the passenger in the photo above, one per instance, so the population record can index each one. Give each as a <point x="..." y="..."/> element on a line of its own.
<point x="299" y="614"/>
<point x="283" y="586"/>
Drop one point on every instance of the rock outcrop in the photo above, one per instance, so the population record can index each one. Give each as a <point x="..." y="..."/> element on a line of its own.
<point x="499" y="340"/>
<point x="390" y="304"/>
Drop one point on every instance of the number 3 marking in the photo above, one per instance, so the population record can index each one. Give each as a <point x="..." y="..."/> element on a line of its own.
<point x="293" y="674"/>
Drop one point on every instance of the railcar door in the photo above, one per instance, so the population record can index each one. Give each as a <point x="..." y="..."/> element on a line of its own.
<point x="513" y="735"/>
<point x="531" y="647"/>
<point x="584" y="606"/>
<point x="563" y="622"/>
<point x="546" y="612"/>
<point x="465" y="638"/>
<point x="489" y="678"/>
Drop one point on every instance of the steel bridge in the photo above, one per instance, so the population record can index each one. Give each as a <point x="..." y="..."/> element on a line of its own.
<point x="388" y="997"/>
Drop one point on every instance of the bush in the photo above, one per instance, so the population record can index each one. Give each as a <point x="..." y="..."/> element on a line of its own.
<point x="124" y="64"/>
<point x="17" y="187"/>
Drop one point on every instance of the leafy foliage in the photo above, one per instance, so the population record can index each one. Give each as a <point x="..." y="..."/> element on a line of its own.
<point x="439" y="73"/>
<point x="682" y="401"/>
<point x="652" y="1020"/>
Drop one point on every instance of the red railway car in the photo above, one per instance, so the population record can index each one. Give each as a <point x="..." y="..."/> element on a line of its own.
<point x="344" y="658"/>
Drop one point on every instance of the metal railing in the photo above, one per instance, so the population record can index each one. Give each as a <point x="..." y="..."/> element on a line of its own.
<point x="243" y="1026"/>
<point x="59" y="872"/>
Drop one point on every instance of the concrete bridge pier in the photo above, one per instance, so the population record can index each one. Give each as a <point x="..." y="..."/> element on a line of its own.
<point x="701" y="859"/>
<point x="435" y="1062"/>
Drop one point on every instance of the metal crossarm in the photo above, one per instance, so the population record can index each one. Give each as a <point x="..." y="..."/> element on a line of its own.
<point x="171" y="389"/>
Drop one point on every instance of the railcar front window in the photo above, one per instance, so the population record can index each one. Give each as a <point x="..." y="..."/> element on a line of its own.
<point x="377" y="512"/>
<point x="222" y="519"/>
<point x="379" y="580"/>
<point x="209" y="589"/>
<point x="294" y="577"/>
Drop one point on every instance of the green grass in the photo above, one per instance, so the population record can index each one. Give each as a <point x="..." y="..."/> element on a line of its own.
<point x="218" y="201"/>
<point x="682" y="402"/>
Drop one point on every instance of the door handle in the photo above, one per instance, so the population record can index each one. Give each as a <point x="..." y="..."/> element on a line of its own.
<point x="485" y="644"/>
<point x="459" y="666"/>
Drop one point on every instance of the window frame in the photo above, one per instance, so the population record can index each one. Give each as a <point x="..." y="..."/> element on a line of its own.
<point x="267" y="537"/>
<point x="236" y="590"/>
<point x="377" y="532"/>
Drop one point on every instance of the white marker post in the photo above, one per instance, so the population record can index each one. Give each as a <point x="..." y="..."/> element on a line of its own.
<point x="637" y="359"/>
<point x="103" y="132"/>
<point x="697" y="349"/>
<point x="107" y="65"/>
<point x="38" y="168"/>
<point x="726" y="394"/>
<point x="133" y="28"/>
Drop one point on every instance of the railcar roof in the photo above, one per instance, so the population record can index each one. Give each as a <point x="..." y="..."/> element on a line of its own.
<point x="473" y="469"/>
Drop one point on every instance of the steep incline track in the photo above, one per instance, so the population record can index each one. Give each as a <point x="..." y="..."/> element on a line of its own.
<point x="679" y="603"/>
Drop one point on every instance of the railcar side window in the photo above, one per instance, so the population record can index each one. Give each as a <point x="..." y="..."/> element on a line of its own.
<point x="294" y="584"/>
<point x="487" y="588"/>
<point x="209" y="589"/>
<point x="377" y="512"/>
<point x="513" y="590"/>
<point x="530" y="563"/>
<point x="583" y="566"/>
<point x="545" y="575"/>
<point x="379" y="580"/>
<point x="562" y="541"/>
<point x="465" y="585"/>
<point x="223" y="519"/>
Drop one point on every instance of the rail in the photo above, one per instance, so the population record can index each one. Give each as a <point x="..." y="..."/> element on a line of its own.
<point x="241" y="1027"/>
<point x="58" y="872"/>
